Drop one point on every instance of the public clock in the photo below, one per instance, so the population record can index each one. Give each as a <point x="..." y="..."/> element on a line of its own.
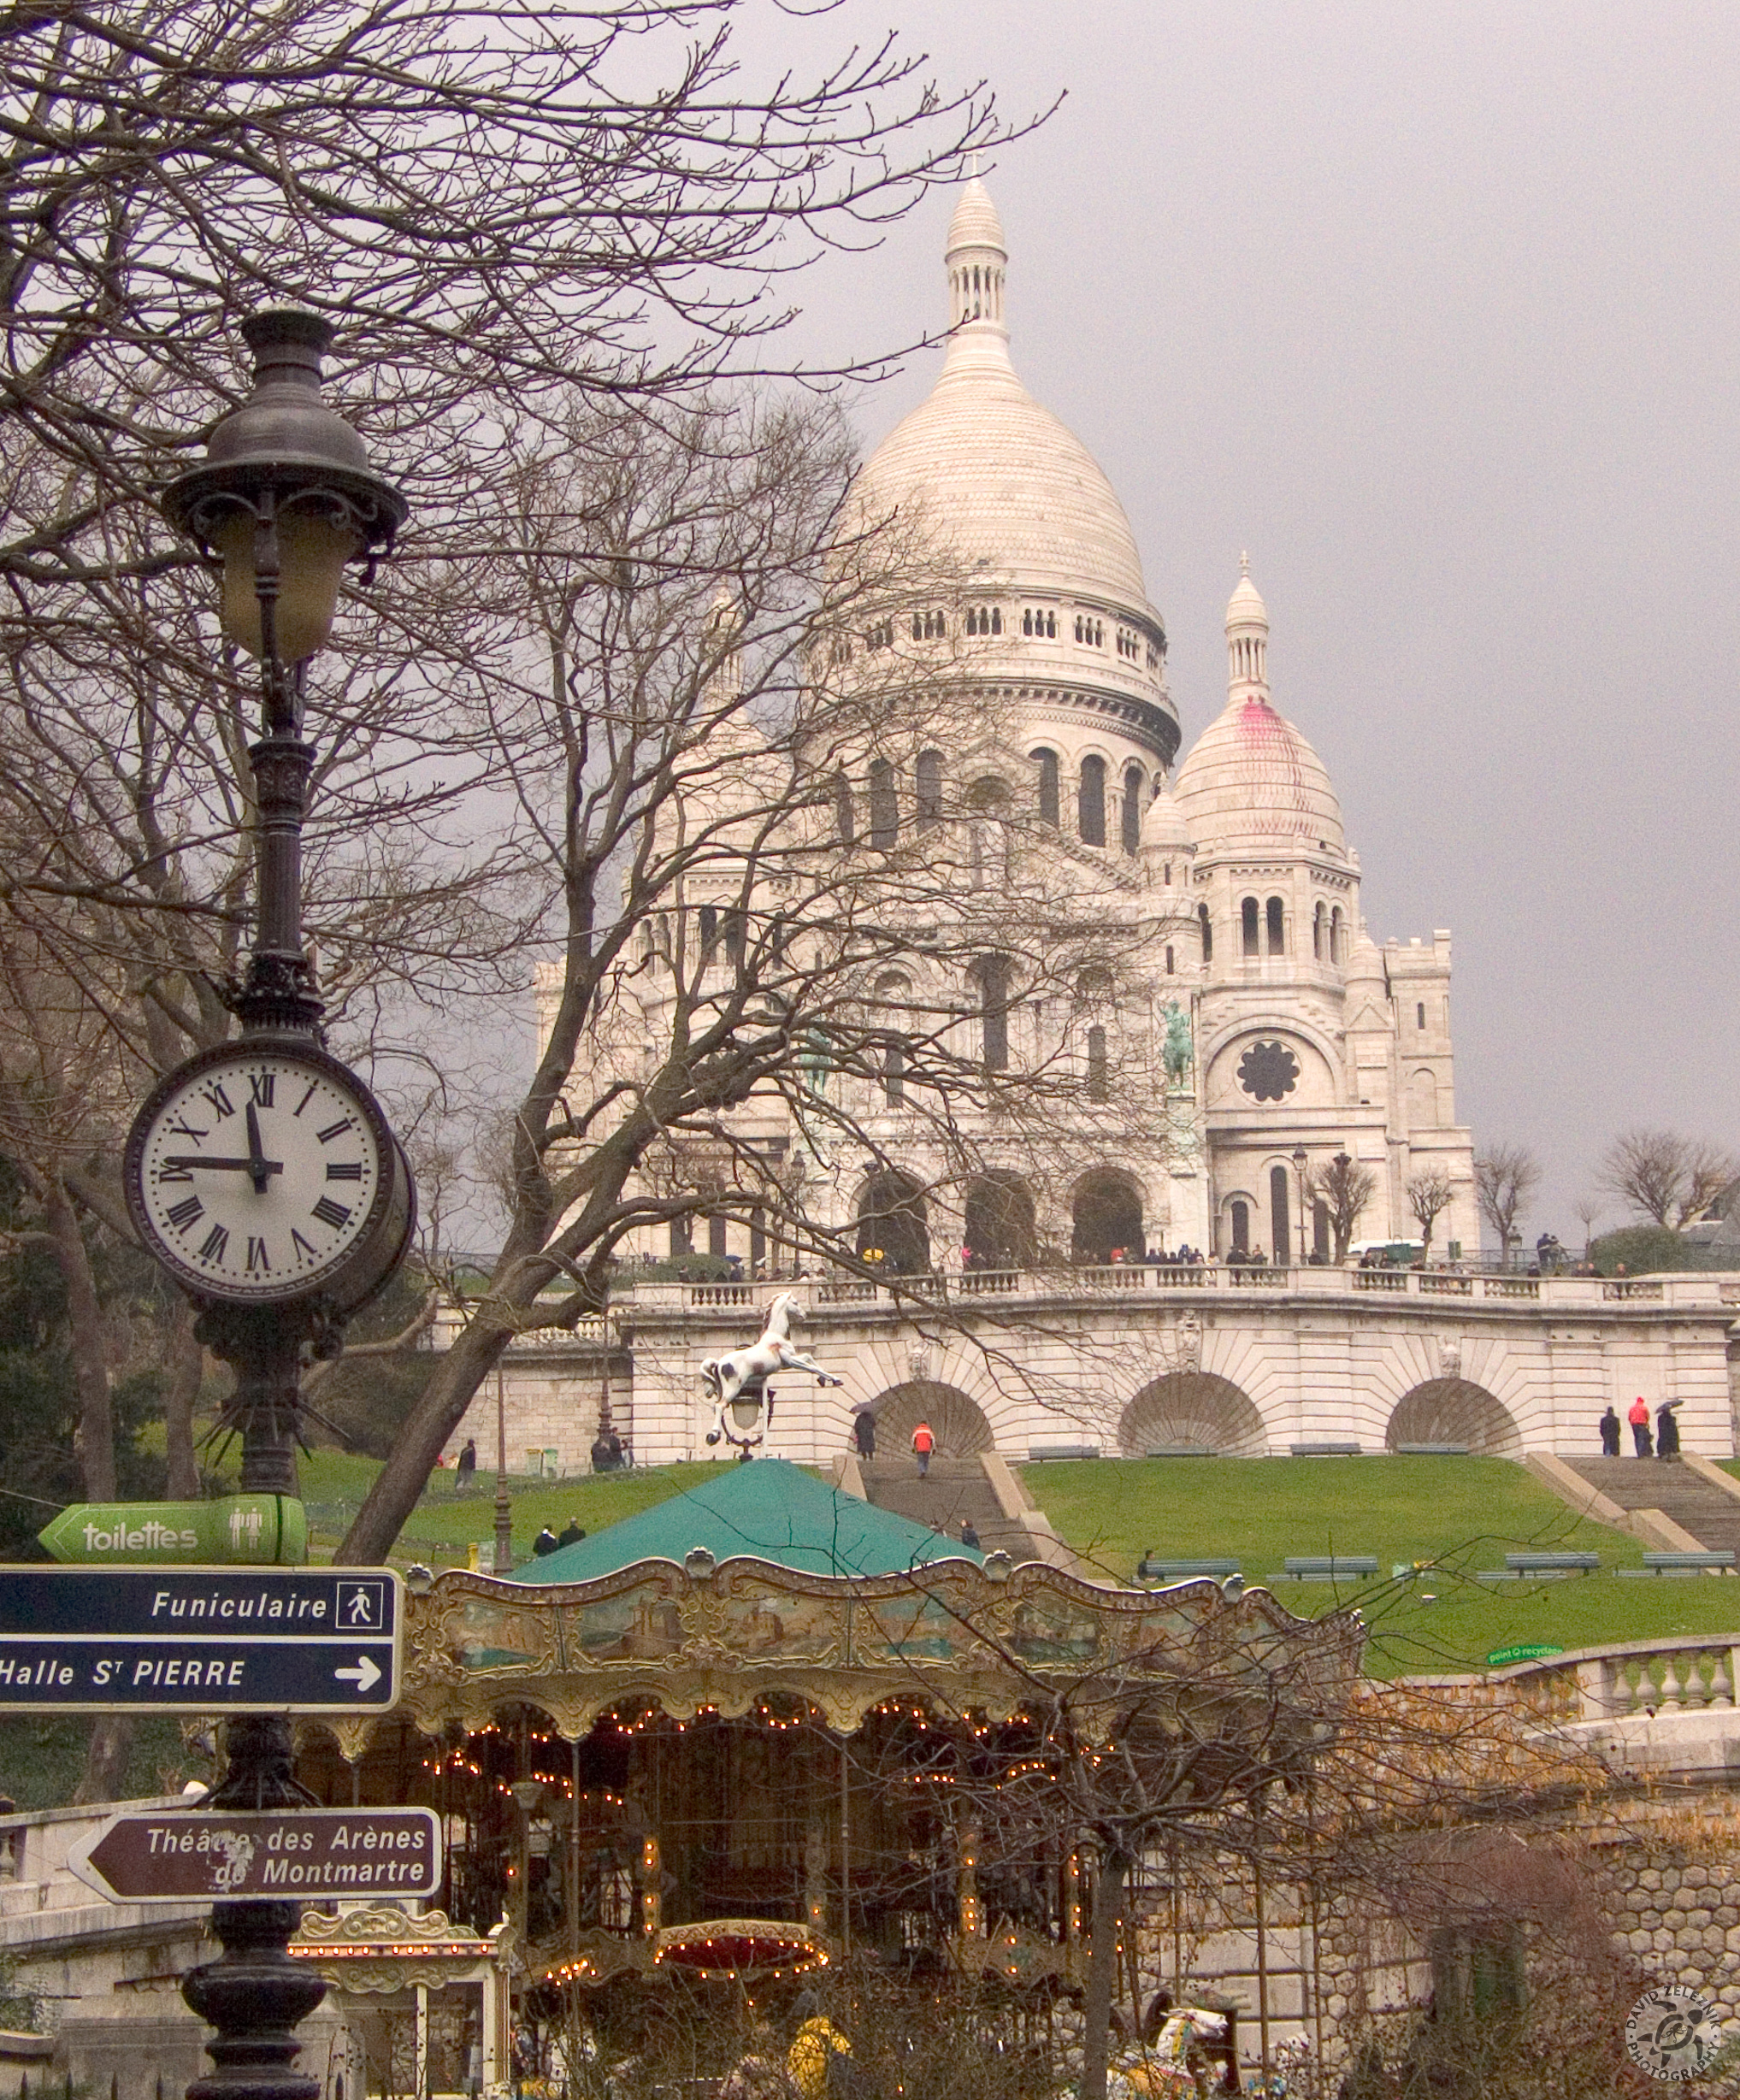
<point x="263" y="1172"/>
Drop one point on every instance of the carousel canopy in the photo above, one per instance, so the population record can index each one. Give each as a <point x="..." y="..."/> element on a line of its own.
<point x="771" y="1509"/>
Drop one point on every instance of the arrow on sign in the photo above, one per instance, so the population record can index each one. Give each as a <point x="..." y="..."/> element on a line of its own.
<point x="362" y="1676"/>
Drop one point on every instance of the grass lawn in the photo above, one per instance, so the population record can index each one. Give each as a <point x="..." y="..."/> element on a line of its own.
<point x="1461" y="1514"/>
<point x="444" y="1523"/>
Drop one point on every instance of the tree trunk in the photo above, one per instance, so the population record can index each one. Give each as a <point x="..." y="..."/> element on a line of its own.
<point x="432" y="1421"/>
<point x="106" y="1761"/>
<point x="1102" y="1973"/>
<point x="84" y="1325"/>
<point x="111" y="1734"/>
<point x="184" y="1361"/>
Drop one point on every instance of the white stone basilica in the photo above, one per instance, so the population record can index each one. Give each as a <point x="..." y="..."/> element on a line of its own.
<point x="1294" y="1037"/>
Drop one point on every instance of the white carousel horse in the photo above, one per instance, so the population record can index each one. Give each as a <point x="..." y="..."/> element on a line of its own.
<point x="738" y="1383"/>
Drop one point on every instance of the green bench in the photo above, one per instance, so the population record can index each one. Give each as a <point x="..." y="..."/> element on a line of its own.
<point x="1330" y="1567"/>
<point x="1324" y="1450"/>
<point x="1715" y="1562"/>
<point x="1546" y="1567"/>
<point x="1150" y="1570"/>
<point x="1181" y="1451"/>
<point x="1431" y="1451"/>
<point x="1037" y="1452"/>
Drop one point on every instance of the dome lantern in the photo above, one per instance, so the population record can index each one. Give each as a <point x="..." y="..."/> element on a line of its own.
<point x="1246" y="638"/>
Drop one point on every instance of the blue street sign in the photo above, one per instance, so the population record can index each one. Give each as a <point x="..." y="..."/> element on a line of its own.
<point x="200" y="1640"/>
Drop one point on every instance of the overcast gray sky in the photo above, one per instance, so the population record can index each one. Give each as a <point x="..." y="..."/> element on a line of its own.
<point x="1434" y="309"/>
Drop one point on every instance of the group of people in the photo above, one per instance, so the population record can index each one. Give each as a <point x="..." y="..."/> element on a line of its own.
<point x="1667" y="1440"/>
<point x="553" y="1541"/>
<point x="864" y="1437"/>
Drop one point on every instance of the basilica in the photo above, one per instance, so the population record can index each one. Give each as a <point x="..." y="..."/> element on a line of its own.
<point x="1250" y="997"/>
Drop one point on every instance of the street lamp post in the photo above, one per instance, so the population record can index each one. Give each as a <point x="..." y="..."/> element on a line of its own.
<point x="286" y="497"/>
<point x="1300" y="1159"/>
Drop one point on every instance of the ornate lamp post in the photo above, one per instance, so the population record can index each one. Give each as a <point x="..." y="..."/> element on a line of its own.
<point x="261" y="1173"/>
<point x="1301" y="1160"/>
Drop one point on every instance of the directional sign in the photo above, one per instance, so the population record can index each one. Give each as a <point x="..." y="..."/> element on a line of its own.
<point x="255" y="1530"/>
<point x="181" y="1858"/>
<point x="200" y="1640"/>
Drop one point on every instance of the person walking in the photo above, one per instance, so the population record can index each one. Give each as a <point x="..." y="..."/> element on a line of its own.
<point x="1667" y="1430"/>
<point x="863" y="1433"/>
<point x="1637" y="1414"/>
<point x="467" y="1466"/>
<point x="923" y="1443"/>
<point x="1610" y="1434"/>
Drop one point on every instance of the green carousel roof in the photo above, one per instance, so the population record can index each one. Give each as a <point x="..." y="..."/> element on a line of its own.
<point x="769" y="1508"/>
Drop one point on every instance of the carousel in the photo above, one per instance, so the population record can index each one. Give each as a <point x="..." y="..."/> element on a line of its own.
<point x="758" y="1738"/>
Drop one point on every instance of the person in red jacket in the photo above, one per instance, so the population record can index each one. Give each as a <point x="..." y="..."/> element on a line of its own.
<point x="923" y="1443"/>
<point x="1638" y="1416"/>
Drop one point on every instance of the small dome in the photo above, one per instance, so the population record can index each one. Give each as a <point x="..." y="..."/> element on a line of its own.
<point x="1253" y="778"/>
<point x="1163" y="827"/>
<point x="1245" y="608"/>
<point x="975" y="223"/>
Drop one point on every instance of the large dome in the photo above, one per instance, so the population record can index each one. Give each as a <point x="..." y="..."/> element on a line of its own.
<point x="1252" y="779"/>
<point x="980" y="464"/>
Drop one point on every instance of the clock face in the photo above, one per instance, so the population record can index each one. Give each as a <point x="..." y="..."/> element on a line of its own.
<point x="256" y="1171"/>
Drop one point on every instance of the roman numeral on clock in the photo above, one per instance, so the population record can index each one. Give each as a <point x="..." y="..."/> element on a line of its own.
<point x="212" y="1248"/>
<point x="259" y="1260"/>
<point x="183" y="1215"/>
<point x="345" y="1170"/>
<point x="331" y="1213"/>
<point x="221" y="1102"/>
<point x="261" y="1085"/>
<point x="297" y="1240"/>
<point x="336" y="1130"/>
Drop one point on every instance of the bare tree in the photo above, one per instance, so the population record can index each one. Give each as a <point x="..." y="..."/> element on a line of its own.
<point x="761" y="936"/>
<point x="1665" y="1177"/>
<point x="1505" y="1178"/>
<point x="1587" y="1211"/>
<point x="1430" y="1194"/>
<point x="1344" y="1188"/>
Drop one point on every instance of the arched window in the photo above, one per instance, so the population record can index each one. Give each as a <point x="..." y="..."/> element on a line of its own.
<point x="1320" y="1230"/>
<point x="893" y="1073"/>
<point x="917" y="626"/>
<point x="1421" y="1016"/>
<point x="929" y="785"/>
<point x="1132" y="808"/>
<point x="1027" y="620"/>
<point x="1167" y="875"/>
<point x="710" y="933"/>
<point x="735" y="935"/>
<point x="1278" y="1213"/>
<point x="1090" y="802"/>
<point x="1099" y="1065"/>
<point x="1047" y="761"/>
<point x="1338" y="936"/>
<point x="1170" y="966"/>
<point x="1276" y="915"/>
<point x="1249" y="918"/>
<point x="893" y="992"/>
<point x="996" y="620"/>
<point x="1240" y="1227"/>
<point x="884" y="805"/>
<point x="991" y="983"/>
<point x="1319" y="924"/>
<point x="1206" y="927"/>
<point x="845" y="821"/>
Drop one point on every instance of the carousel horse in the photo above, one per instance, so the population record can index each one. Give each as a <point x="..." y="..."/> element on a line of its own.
<point x="1177" y="2064"/>
<point x="738" y="1383"/>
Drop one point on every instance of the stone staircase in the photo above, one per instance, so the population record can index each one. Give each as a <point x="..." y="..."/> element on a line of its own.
<point x="955" y="1490"/>
<point x="1711" y="1516"/>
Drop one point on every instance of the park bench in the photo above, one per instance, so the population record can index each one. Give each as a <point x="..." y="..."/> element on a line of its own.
<point x="1431" y="1451"/>
<point x="1324" y="1450"/>
<point x="1181" y="1451"/>
<point x="1037" y="1452"/>
<point x="1150" y="1571"/>
<point x="1544" y="1567"/>
<point x="1713" y="1562"/>
<point x="1330" y="1567"/>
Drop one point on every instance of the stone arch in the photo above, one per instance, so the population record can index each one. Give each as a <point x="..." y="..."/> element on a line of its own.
<point x="955" y="1419"/>
<point x="1455" y="1411"/>
<point x="1105" y="1213"/>
<point x="1192" y="1408"/>
<point x="891" y="1219"/>
<point x="1001" y="1232"/>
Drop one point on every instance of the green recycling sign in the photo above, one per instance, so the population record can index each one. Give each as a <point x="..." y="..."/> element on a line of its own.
<point x="258" y="1530"/>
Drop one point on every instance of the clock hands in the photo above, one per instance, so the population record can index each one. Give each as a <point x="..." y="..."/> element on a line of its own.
<point x="259" y="1168"/>
<point x="256" y="1166"/>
